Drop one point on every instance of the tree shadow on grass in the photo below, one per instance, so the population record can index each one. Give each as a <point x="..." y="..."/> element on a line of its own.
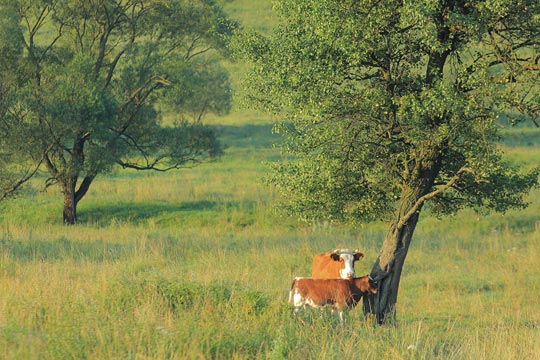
<point x="101" y="250"/>
<point x="248" y="135"/>
<point x="137" y="213"/>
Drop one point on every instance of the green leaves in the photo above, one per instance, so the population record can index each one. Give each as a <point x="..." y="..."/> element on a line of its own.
<point x="197" y="87"/>
<point x="75" y="99"/>
<point x="389" y="96"/>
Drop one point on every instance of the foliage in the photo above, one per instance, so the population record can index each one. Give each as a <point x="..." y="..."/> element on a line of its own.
<point x="375" y="92"/>
<point x="88" y="83"/>
<point x="12" y="175"/>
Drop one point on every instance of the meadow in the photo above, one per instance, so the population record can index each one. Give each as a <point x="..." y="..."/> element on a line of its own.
<point x="196" y="264"/>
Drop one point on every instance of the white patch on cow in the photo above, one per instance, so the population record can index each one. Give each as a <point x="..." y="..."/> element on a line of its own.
<point x="294" y="296"/>
<point x="311" y="303"/>
<point x="347" y="272"/>
<point x="298" y="300"/>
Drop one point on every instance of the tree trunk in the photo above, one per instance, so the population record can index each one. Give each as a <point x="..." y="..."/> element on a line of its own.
<point x="70" y="204"/>
<point x="387" y="271"/>
<point x="418" y="183"/>
<point x="72" y="197"/>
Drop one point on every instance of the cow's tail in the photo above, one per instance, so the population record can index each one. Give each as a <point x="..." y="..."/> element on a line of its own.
<point x="291" y="291"/>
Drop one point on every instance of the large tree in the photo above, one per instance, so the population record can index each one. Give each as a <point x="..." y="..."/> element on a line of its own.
<point x="390" y="105"/>
<point x="88" y="82"/>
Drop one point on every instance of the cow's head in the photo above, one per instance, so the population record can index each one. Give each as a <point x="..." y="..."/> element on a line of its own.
<point x="347" y="258"/>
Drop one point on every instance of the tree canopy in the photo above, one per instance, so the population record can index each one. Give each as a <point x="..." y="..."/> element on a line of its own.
<point x="87" y="83"/>
<point x="388" y="105"/>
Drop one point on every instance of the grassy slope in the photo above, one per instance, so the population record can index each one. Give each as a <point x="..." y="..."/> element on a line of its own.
<point x="194" y="264"/>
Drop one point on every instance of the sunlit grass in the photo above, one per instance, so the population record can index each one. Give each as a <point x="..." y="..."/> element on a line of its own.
<point x="254" y="15"/>
<point x="197" y="264"/>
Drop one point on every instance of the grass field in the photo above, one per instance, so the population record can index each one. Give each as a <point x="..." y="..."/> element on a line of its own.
<point x="195" y="264"/>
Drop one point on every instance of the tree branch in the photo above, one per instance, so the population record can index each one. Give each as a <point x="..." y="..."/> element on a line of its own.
<point x="155" y="165"/>
<point x="15" y="186"/>
<point x="434" y="193"/>
<point x="27" y="176"/>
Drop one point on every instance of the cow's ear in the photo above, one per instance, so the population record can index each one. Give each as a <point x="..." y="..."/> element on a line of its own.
<point x="334" y="256"/>
<point x="358" y="255"/>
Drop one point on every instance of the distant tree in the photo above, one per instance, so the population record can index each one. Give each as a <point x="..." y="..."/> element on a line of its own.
<point x="12" y="176"/>
<point x="389" y="105"/>
<point x="87" y="80"/>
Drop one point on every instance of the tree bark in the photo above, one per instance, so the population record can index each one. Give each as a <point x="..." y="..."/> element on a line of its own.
<point x="72" y="196"/>
<point x="387" y="271"/>
<point x="70" y="204"/>
<point x="416" y="189"/>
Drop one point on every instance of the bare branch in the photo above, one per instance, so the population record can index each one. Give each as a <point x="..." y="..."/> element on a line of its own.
<point x="27" y="176"/>
<point x="434" y="193"/>
<point x="200" y="52"/>
<point x="155" y="165"/>
<point x="15" y="186"/>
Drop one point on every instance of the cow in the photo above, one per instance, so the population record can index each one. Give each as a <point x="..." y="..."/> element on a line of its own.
<point x="337" y="264"/>
<point x="339" y="293"/>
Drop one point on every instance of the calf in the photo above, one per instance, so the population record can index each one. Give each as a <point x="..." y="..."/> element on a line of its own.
<point x="337" y="264"/>
<point x="339" y="293"/>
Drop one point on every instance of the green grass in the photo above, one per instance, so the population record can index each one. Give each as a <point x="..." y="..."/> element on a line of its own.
<point x="253" y="15"/>
<point x="195" y="264"/>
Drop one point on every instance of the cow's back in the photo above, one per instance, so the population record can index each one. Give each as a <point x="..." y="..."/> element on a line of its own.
<point x="323" y="267"/>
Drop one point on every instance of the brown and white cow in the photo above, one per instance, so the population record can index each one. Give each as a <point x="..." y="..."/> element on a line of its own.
<point x="339" y="293"/>
<point x="337" y="264"/>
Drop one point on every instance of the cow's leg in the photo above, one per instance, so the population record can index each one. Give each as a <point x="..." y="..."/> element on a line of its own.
<point x="299" y="302"/>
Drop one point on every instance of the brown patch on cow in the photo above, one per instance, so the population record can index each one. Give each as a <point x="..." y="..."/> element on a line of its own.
<point x="337" y="292"/>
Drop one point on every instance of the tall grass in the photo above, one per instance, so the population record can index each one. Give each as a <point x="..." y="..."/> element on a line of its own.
<point x="195" y="264"/>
